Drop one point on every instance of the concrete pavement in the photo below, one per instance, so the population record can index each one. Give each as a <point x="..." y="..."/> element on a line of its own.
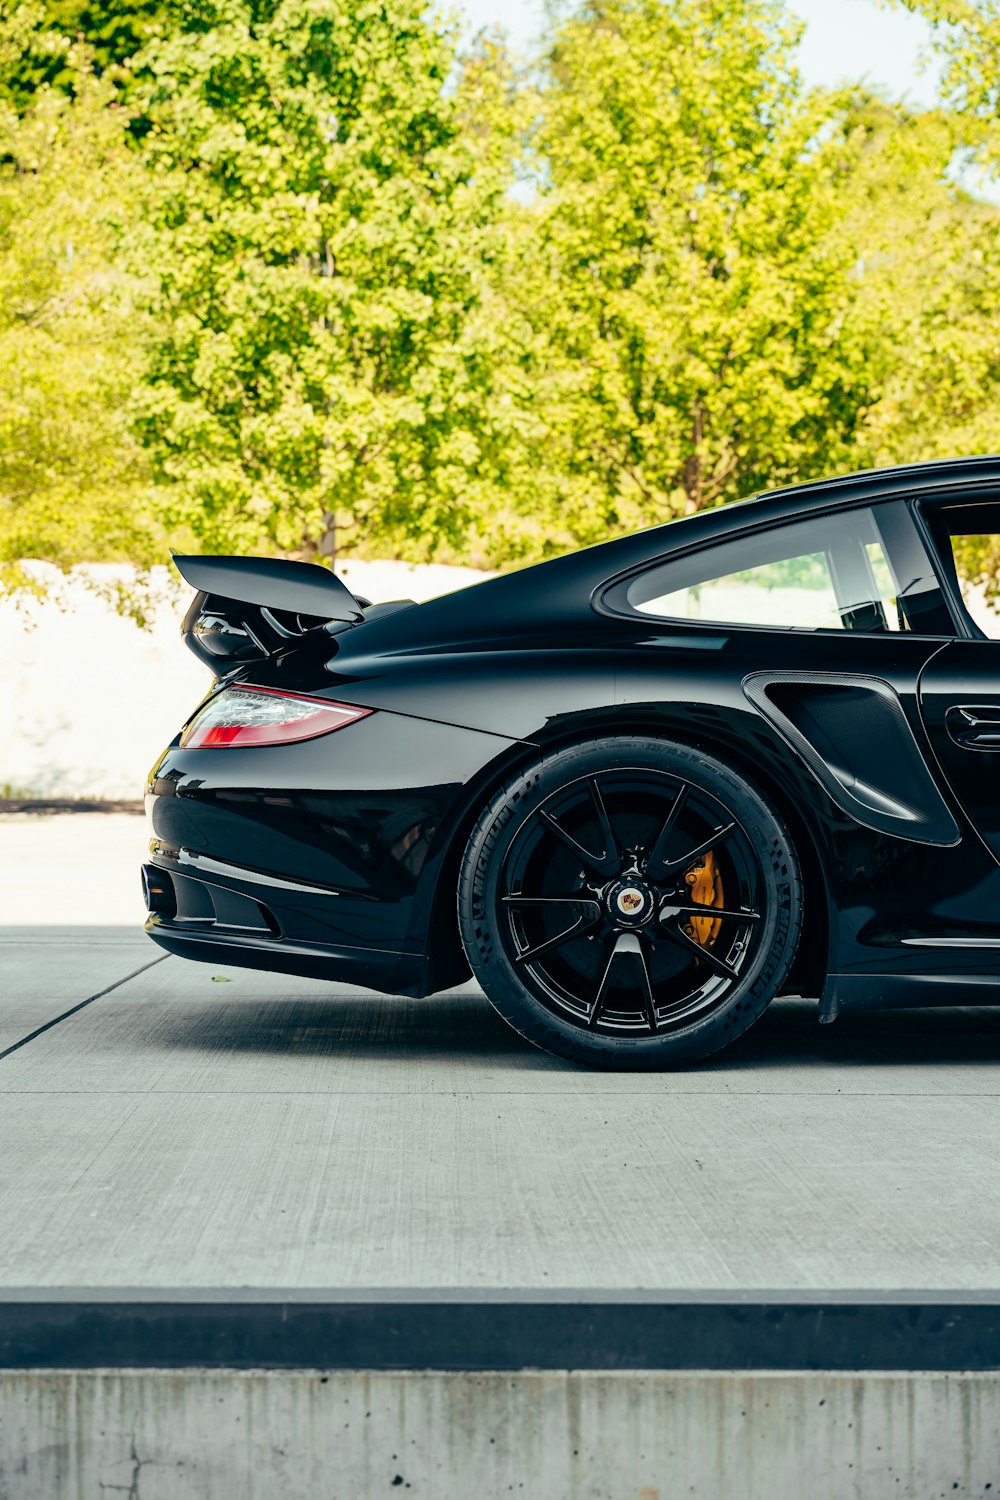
<point x="215" y="1127"/>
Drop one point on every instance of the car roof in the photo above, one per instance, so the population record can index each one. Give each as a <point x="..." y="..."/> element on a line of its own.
<point x="925" y="479"/>
<point x="933" y="482"/>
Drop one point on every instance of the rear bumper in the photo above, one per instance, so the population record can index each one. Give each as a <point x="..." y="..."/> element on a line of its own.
<point x="320" y="857"/>
<point x="390" y="973"/>
<point x="213" y="912"/>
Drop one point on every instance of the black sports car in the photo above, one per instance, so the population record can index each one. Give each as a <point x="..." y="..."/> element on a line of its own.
<point x="638" y="791"/>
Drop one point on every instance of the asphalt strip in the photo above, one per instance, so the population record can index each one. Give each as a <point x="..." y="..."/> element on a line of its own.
<point x="15" y="1046"/>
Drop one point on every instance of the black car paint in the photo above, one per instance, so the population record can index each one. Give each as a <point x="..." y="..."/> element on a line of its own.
<point x="351" y="842"/>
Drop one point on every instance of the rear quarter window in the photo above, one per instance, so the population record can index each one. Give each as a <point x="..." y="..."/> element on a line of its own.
<point x="829" y="573"/>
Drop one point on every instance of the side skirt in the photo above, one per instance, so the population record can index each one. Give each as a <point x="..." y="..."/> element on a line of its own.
<point x="901" y="991"/>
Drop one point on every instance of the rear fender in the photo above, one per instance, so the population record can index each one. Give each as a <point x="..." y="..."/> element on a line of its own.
<point x="738" y="736"/>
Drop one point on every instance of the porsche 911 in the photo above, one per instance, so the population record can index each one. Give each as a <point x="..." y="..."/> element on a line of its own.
<point x="637" y="791"/>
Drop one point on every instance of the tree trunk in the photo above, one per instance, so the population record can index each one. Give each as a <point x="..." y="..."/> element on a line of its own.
<point x="693" y="486"/>
<point x="328" y="540"/>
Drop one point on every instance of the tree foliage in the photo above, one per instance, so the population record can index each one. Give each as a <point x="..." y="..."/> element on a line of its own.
<point x="680" y="264"/>
<point x="73" y="477"/>
<point x="299" y="275"/>
<point x="954" y="403"/>
<point x="966" y="36"/>
<point x="324" y="219"/>
<point x="44" y="37"/>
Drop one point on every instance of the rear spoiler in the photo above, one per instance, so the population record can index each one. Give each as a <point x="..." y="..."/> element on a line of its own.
<point x="272" y="583"/>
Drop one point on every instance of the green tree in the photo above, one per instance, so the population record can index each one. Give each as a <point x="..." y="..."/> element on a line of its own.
<point x="325" y="196"/>
<point x="685" y="289"/>
<point x="966" y="36"/>
<point x="727" y="282"/>
<point x="44" y="42"/>
<point x="927" y="287"/>
<point x="73" y="479"/>
<point x="688" y="288"/>
<point x="956" y="392"/>
<point x="285" y="298"/>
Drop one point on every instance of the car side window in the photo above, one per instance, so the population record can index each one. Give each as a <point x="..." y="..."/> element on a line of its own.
<point x="829" y="573"/>
<point x="970" y="536"/>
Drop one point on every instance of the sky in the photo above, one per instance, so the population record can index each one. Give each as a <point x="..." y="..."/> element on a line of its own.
<point x="845" y="40"/>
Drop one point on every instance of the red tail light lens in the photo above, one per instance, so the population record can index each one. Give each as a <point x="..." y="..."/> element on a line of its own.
<point x="264" y="716"/>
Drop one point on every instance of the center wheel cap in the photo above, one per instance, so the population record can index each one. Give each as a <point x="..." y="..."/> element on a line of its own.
<point x="630" y="903"/>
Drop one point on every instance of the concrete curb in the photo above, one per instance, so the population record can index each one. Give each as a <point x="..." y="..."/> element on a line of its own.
<point x="483" y="1330"/>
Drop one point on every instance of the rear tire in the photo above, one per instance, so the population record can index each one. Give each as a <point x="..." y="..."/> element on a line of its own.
<point x="584" y="897"/>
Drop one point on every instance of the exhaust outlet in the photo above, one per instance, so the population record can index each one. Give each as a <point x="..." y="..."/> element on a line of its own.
<point x="158" y="892"/>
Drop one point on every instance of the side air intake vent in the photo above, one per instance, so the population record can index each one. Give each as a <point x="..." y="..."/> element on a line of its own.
<point x="854" y="736"/>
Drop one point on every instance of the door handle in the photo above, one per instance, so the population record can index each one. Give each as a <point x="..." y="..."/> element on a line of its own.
<point x="974" y="726"/>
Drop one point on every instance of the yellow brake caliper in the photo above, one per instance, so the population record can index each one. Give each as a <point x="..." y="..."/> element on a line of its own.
<point x="705" y="881"/>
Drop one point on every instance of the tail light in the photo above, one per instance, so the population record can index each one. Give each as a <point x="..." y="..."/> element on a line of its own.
<point x="264" y="716"/>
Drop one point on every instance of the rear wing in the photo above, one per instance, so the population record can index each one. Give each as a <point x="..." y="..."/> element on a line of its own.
<point x="247" y="609"/>
<point x="272" y="583"/>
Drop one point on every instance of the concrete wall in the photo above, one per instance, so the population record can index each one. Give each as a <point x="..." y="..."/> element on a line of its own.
<point x="223" y="1435"/>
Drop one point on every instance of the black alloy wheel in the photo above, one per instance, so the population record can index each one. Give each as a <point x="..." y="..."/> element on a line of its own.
<point x="630" y="903"/>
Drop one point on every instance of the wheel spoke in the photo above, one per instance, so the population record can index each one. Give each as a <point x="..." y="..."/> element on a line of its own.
<point x="677" y="935"/>
<point x="655" y="863"/>
<point x="649" y="1003"/>
<point x="608" y="862"/>
<point x="611" y="849"/>
<point x="671" y="866"/>
<point x="595" y="1010"/>
<point x="580" y="926"/>
<point x="593" y="907"/>
<point x="700" y="909"/>
<point x="625" y="943"/>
